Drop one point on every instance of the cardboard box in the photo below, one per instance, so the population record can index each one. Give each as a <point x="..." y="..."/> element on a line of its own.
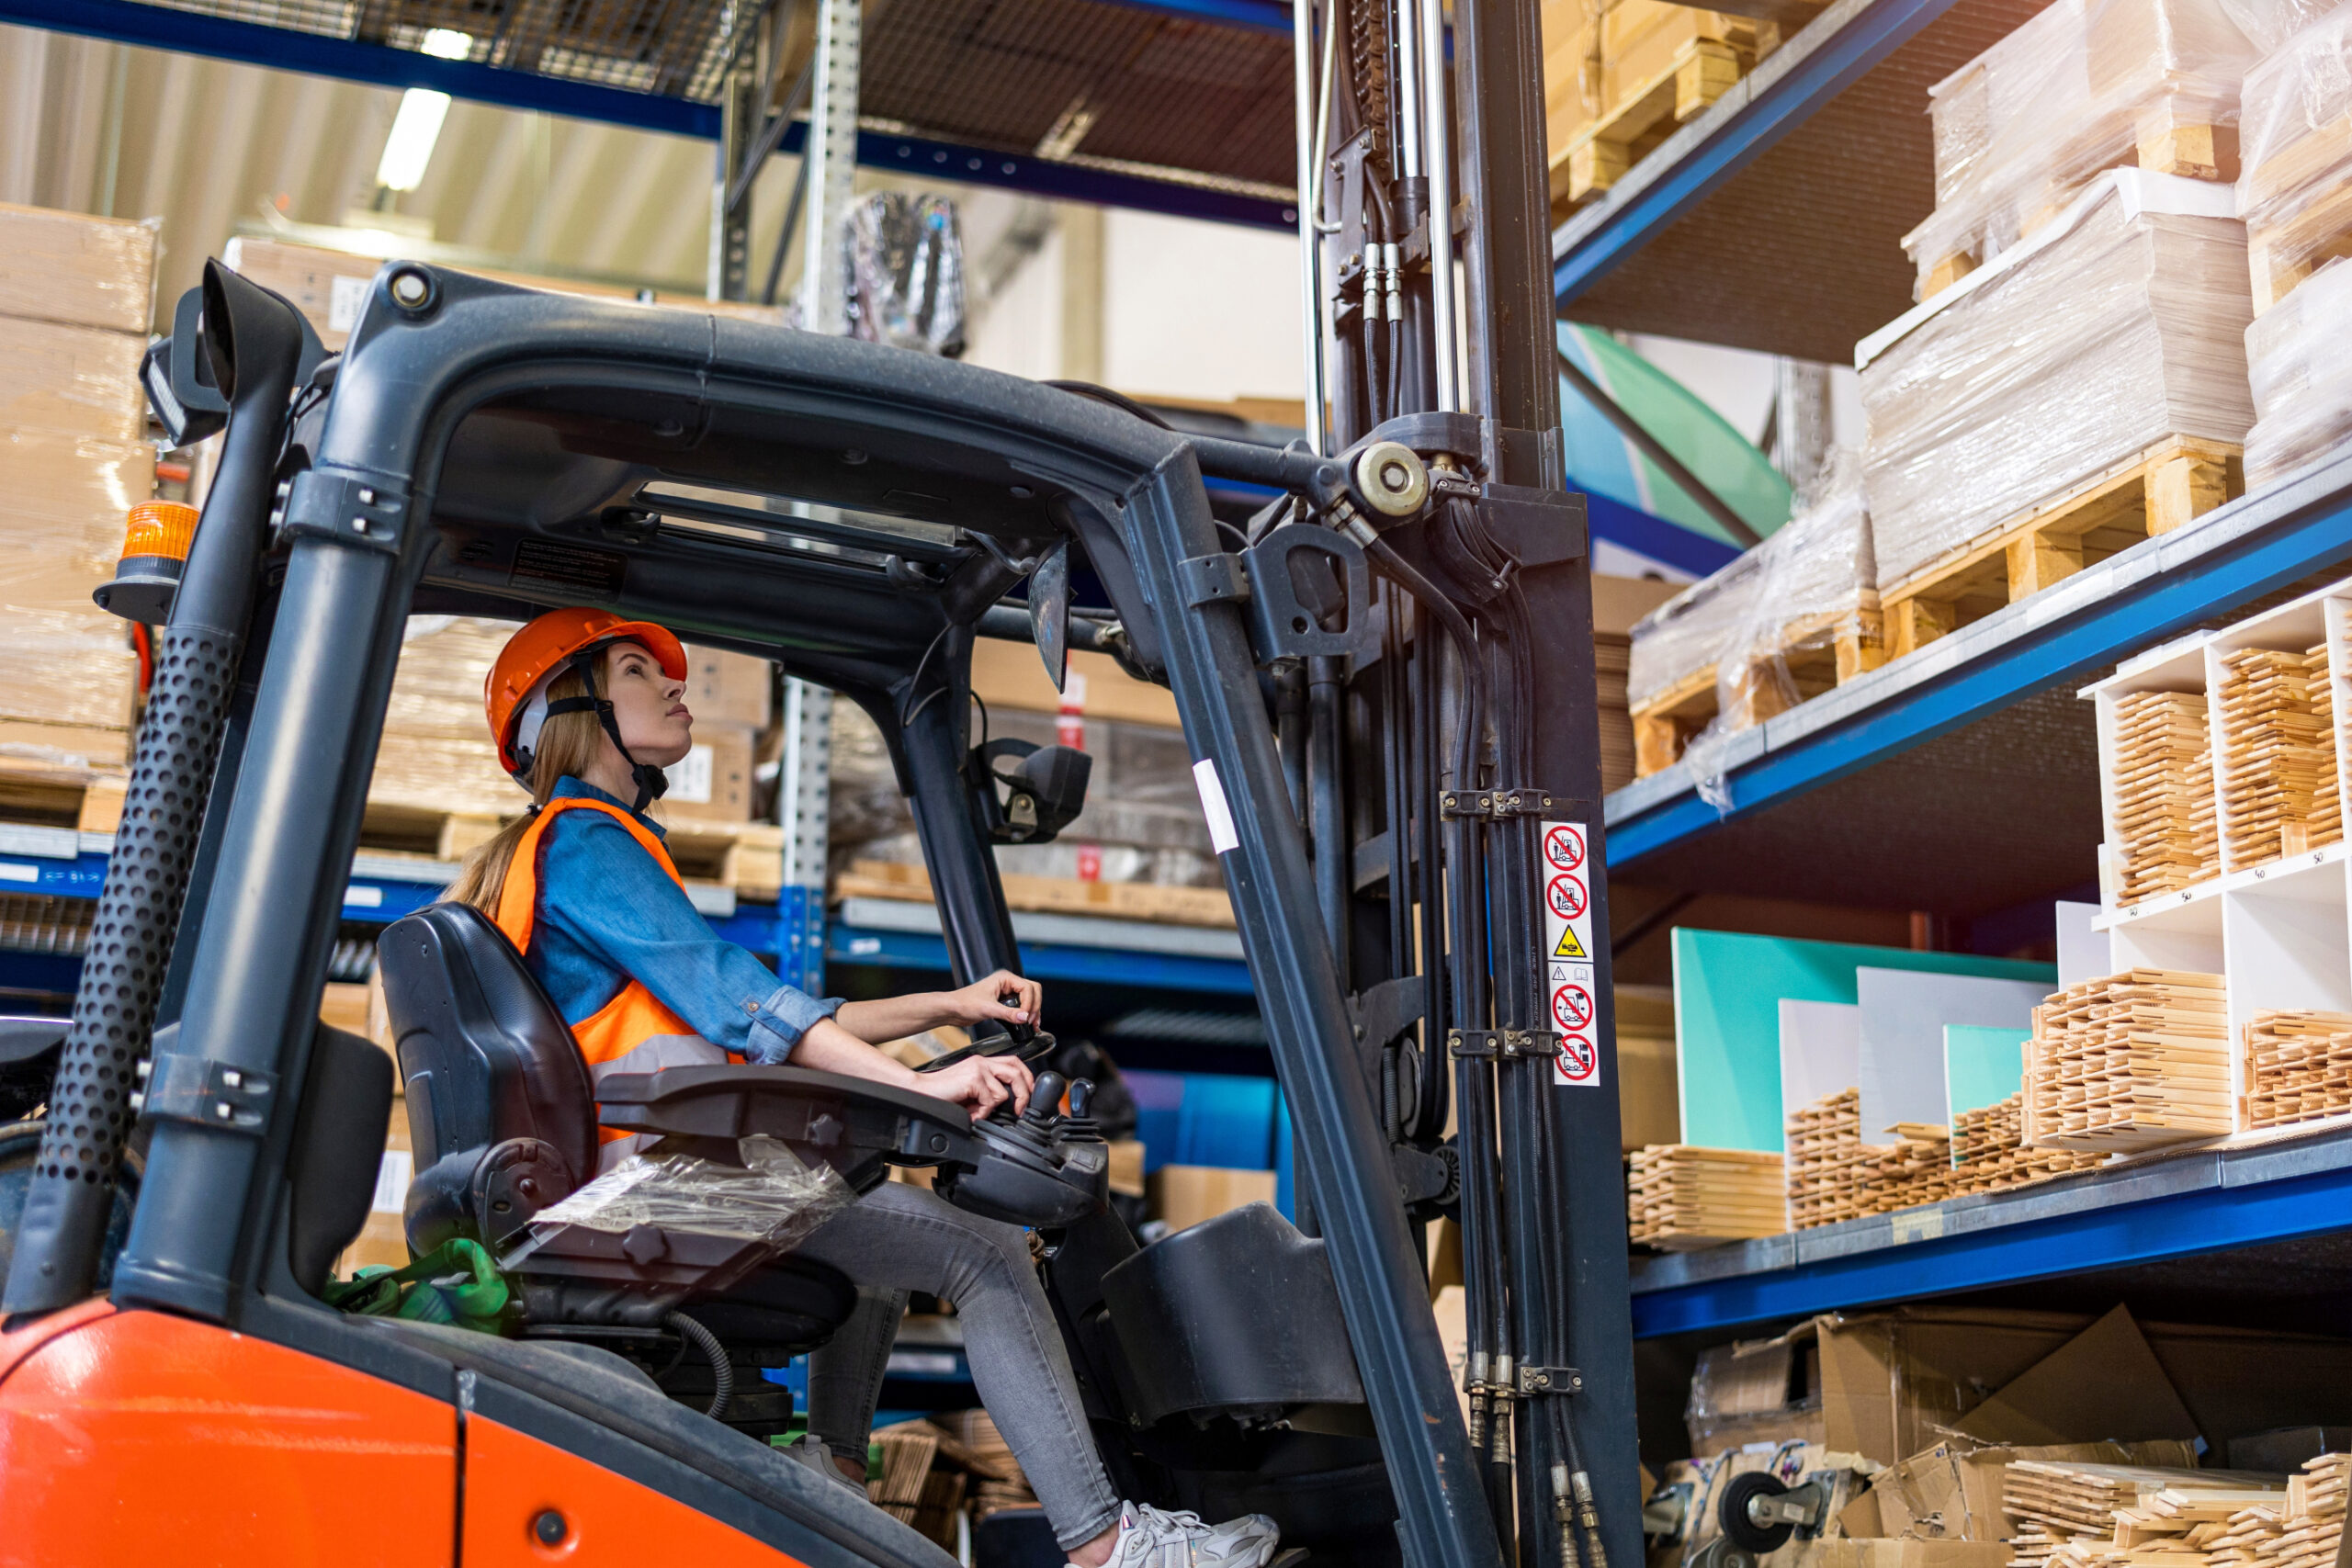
<point x="384" y="1238"/>
<point x="63" y="499"/>
<point x="1892" y="1380"/>
<point x="713" y="781"/>
<point x="1186" y="1194"/>
<point x="75" y="752"/>
<point x="331" y="287"/>
<point x="1127" y="1166"/>
<point x="1758" y="1391"/>
<point x="75" y="380"/>
<point x="1649" y="1105"/>
<point x="733" y="689"/>
<point x="359" y="1009"/>
<point x="77" y="269"/>
<point x="1010" y="676"/>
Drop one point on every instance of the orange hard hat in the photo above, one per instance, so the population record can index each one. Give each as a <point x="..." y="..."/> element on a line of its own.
<point x="541" y="650"/>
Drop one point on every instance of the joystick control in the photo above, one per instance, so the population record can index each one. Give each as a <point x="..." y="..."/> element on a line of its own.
<point x="1045" y="1103"/>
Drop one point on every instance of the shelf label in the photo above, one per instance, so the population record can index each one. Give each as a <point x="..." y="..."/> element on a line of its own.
<point x="1566" y="955"/>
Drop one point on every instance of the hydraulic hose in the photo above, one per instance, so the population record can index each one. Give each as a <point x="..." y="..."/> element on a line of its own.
<point x="255" y="342"/>
<point x="722" y="1375"/>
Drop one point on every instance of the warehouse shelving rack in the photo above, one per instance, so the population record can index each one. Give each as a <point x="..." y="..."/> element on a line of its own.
<point x="1962" y="777"/>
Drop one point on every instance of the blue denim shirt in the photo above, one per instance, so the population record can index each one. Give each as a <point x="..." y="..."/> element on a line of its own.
<point x="609" y="914"/>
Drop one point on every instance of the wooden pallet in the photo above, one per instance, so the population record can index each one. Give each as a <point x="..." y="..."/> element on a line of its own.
<point x="1051" y="895"/>
<point x="746" y="856"/>
<point x="2160" y="488"/>
<point x="1820" y="652"/>
<point x="1702" y="71"/>
<point x="52" y="795"/>
<point x="2192" y="152"/>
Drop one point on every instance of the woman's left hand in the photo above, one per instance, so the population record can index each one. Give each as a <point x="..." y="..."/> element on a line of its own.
<point x="1003" y="995"/>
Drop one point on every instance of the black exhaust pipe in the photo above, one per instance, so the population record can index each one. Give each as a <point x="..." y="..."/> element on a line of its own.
<point x="256" y="341"/>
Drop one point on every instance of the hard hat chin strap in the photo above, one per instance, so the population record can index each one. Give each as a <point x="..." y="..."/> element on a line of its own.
<point x="651" y="782"/>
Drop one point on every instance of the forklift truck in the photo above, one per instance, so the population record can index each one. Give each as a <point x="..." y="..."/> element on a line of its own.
<point x="1384" y="672"/>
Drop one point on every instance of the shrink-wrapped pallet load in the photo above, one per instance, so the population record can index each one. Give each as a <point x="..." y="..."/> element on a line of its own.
<point x="2295" y="192"/>
<point x="1790" y="618"/>
<point x="2086" y="391"/>
<point x="2301" y="376"/>
<point x="74" y="299"/>
<point x="2083" y="86"/>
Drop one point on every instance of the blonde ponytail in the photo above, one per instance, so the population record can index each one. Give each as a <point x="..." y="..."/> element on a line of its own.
<point x="567" y="745"/>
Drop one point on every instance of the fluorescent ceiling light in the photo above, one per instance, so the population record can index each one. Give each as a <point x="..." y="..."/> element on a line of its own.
<point x="409" y="149"/>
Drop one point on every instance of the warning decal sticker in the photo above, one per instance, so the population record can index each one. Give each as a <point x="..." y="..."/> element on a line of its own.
<point x="1567" y="954"/>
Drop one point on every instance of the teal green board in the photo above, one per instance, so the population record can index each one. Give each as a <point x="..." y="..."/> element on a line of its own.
<point x="1727" y="991"/>
<point x="1982" y="1066"/>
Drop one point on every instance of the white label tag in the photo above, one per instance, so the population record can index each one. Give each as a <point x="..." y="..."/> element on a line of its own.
<point x="1566" y="873"/>
<point x="391" y="1181"/>
<point x="1213" y="807"/>
<point x="16" y="871"/>
<point x="357" y="897"/>
<point x="690" y="777"/>
<point x="346" y="298"/>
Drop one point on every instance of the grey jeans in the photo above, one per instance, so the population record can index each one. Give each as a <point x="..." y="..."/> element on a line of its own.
<point x="899" y="1238"/>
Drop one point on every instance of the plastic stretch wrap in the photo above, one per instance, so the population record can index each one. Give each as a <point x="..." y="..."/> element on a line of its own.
<point x="1806" y="581"/>
<point x="2302" y="376"/>
<point x="79" y="381"/>
<point x="905" y="261"/>
<point x="2083" y="86"/>
<point x="71" y="267"/>
<point x="63" y="660"/>
<point x="774" y="1197"/>
<point x="2296" y="192"/>
<point x="1801" y="591"/>
<point x="2270" y="23"/>
<point x="2119" y="325"/>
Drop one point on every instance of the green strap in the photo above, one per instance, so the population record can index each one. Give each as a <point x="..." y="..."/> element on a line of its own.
<point x="455" y="1283"/>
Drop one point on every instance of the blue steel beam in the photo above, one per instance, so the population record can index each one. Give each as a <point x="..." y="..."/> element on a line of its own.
<point x="284" y="48"/>
<point x="2303" y="541"/>
<point x="2218" y="1218"/>
<point x="1871" y="30"/>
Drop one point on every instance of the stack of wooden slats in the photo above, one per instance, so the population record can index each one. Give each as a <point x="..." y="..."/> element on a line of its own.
<point x="2278" y="758"/>
<point x="1681" y="1196"/>
<point x="2310" y="1528"/>
<point x="1824" y="1144"/>
<point x="2327" y="805"/>
<point x="997" y="1478"/>
<point x="2245" y="1535"/>
<point x="1914" y="1169"/>
<point x="2130" y="1061"/>
<point x="2113" y="1516"/>
<point x="2164" y="795"/>
<point x="911" y="1488"/>
<point x="1989" y="1152"/>
<point x="2298" y="1066"/>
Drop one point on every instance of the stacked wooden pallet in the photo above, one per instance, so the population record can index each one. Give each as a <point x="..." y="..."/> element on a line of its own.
<point x="1681" y="1196"/>
<point x="1914" y="1169"/>
<point x="2279" y="783"/>
<point x="1989" y="1152"/>
<point x="1825" y="1144"/>
<point x="2164" y="795"/>
<point x="2298" y="1066"/>
<point x="2126" y="1061"/>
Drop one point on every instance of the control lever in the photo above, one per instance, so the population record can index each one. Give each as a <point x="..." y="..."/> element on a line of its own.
<point x="1045" y="1103"/>
<point x="1027" y="1043"/>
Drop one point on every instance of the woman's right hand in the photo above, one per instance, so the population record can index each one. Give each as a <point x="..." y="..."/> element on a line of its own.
<point x="980" y="1084"/>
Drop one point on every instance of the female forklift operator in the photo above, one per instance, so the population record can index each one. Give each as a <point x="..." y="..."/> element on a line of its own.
<point x="585" y="710"/>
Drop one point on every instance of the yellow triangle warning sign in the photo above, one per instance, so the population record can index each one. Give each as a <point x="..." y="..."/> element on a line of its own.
<point x="1569" y="946"/>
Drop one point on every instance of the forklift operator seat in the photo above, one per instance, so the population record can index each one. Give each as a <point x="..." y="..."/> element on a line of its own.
<point x="502" y="1120"/>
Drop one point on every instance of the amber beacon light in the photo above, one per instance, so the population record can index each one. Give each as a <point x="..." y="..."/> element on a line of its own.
<point x="154" y="548"/>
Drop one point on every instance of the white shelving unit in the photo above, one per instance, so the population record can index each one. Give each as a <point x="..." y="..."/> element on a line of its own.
<point x="2278" y="931"/>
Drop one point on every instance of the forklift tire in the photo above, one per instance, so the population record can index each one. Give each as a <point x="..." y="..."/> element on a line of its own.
<point x="1743" y="1531"/>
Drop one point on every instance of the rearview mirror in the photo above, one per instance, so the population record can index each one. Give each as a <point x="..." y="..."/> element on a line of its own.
<point x="1049" y="612"/>
<point x="1040" y="791"/>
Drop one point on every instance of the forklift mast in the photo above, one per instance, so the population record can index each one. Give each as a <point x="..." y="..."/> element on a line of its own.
<point x="1385" y="680"/>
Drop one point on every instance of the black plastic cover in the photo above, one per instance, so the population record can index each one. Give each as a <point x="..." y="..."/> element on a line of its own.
<point x="331" y="1169"/>
<point x="1238" y="1313"/>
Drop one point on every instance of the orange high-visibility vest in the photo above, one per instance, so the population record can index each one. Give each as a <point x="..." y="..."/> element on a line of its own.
<point x="633" y="1032"/>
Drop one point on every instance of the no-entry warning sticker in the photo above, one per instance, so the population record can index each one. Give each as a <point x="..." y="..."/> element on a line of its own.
<point x="1568" y="953"/>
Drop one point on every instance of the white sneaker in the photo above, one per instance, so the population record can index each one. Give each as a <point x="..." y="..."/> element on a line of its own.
<point x="1155" y="1538"/>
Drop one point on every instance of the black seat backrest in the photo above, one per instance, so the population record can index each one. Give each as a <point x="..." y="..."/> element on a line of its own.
<point x="485" y="1055"/>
